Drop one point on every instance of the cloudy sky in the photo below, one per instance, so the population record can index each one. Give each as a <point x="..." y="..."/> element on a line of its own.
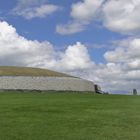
<point x="98" y="40"/>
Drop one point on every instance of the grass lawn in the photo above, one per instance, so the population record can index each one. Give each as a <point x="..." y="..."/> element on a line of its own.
<point x="61" y="116"/>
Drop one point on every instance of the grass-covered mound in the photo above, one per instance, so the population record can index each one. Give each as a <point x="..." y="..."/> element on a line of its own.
<point x="28" y="71"/>
<point x="63" y="116"/>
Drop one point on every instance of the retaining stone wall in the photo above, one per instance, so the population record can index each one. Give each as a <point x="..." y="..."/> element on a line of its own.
<point x="45" y="83"/>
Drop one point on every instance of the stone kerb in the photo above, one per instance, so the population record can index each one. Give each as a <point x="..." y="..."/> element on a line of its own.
<point x="45" y="83"/>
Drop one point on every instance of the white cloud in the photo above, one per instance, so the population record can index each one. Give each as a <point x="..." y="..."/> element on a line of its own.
<point x="86" y="10"/>
<point x="113" y="76"/>
<point x="127" y="57"/>
<point x="117" y="15"/>
<point x="74" y="58"/>
<point x="127" y="51"/>
<point x="122" y="16"/>
<point x="82" y="14"/>
<point x="34" y="8"/>
<point x="122" y="69"/>
<point x="17" y="50"/>
<point x="70" y="28"/>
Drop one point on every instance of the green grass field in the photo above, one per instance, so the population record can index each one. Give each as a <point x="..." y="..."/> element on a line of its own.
<point x="64" y="116"/>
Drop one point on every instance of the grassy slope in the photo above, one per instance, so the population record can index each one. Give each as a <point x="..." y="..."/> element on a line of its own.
<point x="69" y="117"/>
<point x="27" y="71"/>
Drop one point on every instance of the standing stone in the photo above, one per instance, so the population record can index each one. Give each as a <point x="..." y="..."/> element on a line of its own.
<point x="134" y="92"/>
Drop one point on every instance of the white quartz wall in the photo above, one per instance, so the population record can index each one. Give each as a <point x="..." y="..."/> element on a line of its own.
<point x="45" y="83"/>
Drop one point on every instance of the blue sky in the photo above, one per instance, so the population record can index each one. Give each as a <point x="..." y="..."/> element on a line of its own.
<point x="95" y="39"/>
<point x="44" y="28"/>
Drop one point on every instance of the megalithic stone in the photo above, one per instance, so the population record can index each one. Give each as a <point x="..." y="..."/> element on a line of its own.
<point x="134" y="92"/>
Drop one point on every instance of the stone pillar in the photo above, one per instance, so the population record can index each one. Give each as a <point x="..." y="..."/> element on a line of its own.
<point x="134" y="92"/>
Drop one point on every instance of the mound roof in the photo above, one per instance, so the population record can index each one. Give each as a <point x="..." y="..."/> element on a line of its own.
<point x="28" y="71"/>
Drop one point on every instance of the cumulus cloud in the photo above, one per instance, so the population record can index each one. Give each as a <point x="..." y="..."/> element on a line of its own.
<point x="117" y="15"/>
<point x="75" y="57"/>
<point x="34" y="8"/>
<point x="120" y="72"/>
<point x="70" y="28"/>
<point x="82" y="14"/>
<point x="128" y="53"/>
<point x="122" y="16"/>
<point x="127" y="57"/>
<point x="86" y="10"/>
<point x="17" y="50"/>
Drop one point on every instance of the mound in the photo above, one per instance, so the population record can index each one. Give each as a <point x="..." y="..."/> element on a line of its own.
<point x="27" y="78"/>
<point x="28" y="71"/>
